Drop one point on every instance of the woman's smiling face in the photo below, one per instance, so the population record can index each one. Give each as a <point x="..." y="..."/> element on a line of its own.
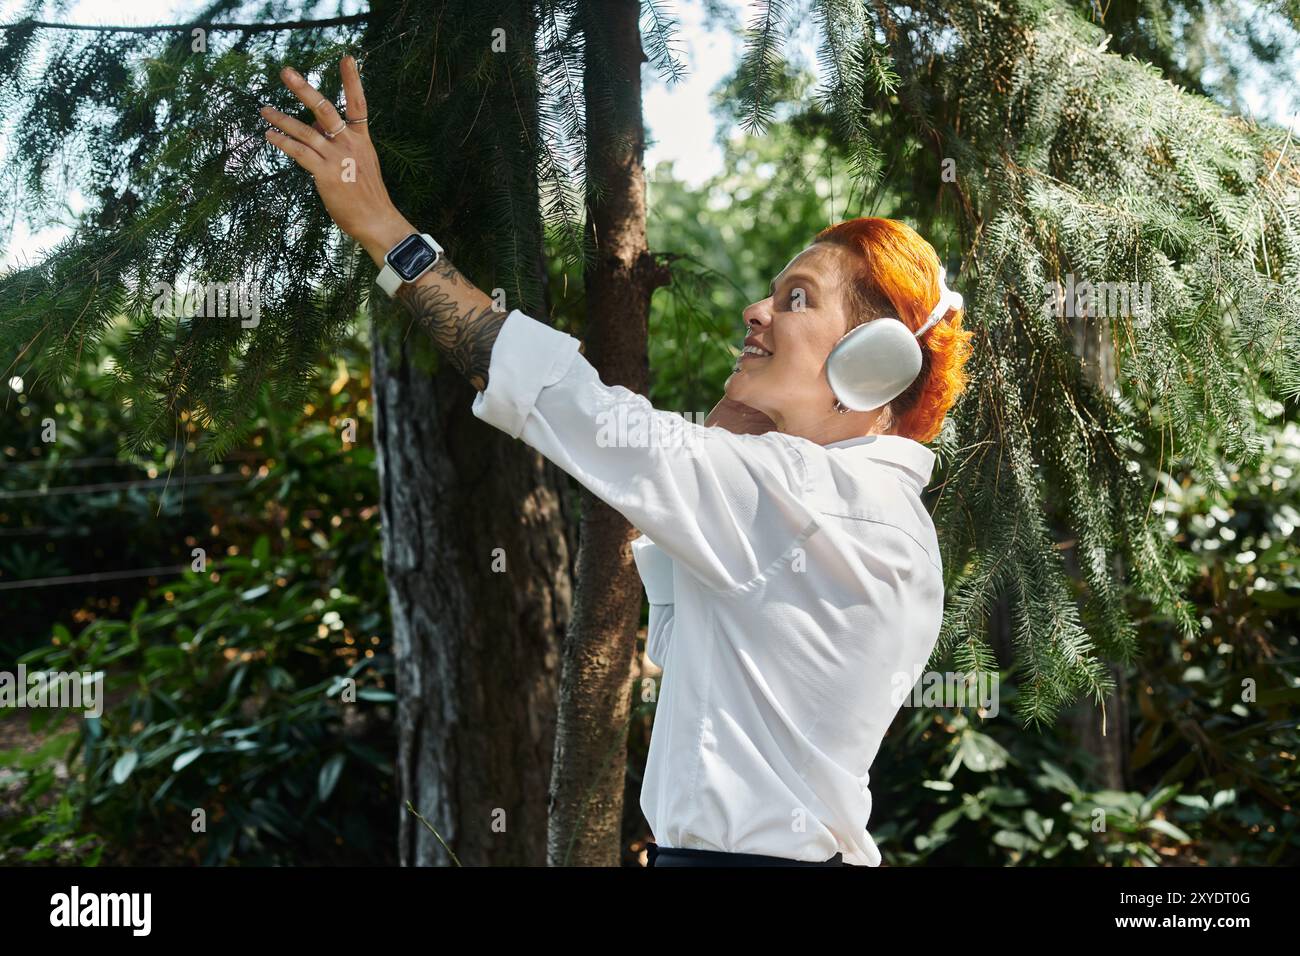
<point x="796" y="326"/>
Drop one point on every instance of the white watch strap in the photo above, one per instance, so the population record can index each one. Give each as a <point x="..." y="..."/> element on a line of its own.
<point x="390" y="281"/>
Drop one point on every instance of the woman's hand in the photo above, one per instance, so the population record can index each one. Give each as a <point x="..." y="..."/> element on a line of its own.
<point x="344" y="164"/>
<point x="740" y="418"/>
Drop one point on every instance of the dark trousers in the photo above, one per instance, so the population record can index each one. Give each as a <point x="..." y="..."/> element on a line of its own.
<point x="684" y="856"/>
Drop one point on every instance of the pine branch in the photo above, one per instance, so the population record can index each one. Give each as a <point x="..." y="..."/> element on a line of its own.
<point x="660" y="42"/>
<point x="758" y="65"/>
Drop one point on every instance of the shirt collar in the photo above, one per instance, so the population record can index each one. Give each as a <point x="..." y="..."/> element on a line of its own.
<point x="915" y="459"/>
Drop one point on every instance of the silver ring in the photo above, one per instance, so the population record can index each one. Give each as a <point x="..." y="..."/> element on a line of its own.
<point x="335" y="133"/>
<point x="322" y="100"/>
<point x="363" y="119"/>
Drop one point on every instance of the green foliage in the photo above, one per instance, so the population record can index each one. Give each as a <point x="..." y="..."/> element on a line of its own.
<point x="227" y="703"/>
<point x="224" y="688"/>
<point x="1207" y="47"/>
<point x="1212" y="718"/>
<point x="1112" y="174"/>
<point x="76" y="506"/>
<point x="993" y="796"/>
<point x="1221" y="706"/>
<point x="206" y="201"/>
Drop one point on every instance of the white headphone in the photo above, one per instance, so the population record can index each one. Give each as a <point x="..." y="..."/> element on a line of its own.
<point x="876" y="362"/>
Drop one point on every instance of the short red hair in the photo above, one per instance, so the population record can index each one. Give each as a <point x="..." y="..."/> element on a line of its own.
<point x="897" y="274"/>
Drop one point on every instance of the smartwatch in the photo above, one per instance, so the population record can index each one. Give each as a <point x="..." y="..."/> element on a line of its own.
<point x="407" y="261"/>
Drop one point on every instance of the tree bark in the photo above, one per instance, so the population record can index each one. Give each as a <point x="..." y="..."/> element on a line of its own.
<point x="1101" y="733"/>
<point x="595" y="689"/>
<point x="476" y="648"/>
<point x="475" y="538"/>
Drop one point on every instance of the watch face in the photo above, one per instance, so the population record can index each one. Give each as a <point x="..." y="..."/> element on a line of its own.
<point x="411" y="257"/>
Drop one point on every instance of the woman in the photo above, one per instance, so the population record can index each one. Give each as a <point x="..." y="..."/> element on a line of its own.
<point x="792" y="570"/>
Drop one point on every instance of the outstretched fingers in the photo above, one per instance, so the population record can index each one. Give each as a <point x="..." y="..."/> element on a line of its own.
<point x="356" y="104"/>
<point x="326" y="115"/>
<point x="309" y="136"/>
<point x="303" y="155"/>
<point x="320" y="144"/>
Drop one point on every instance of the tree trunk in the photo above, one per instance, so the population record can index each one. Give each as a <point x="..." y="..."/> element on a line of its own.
<point x="591" y="735"/>
<point x="475" y="539"/>
<point x="1103" y="734"/>
<point x="476" y="648"/>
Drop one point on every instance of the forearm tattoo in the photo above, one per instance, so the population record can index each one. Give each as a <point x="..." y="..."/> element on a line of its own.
<point x="442" y="302"/>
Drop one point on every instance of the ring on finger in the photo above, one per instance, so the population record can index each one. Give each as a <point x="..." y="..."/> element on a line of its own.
<point x="359" y="119"/>
<point x="328" y="135"/>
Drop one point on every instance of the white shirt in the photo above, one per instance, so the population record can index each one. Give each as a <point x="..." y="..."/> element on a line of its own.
<point x="794" y="588"/>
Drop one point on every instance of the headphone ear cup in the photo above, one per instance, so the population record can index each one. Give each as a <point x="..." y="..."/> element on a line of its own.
<point x="873" y="364"/>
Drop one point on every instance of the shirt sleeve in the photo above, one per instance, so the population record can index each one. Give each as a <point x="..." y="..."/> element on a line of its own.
<point x="723" y="506"/>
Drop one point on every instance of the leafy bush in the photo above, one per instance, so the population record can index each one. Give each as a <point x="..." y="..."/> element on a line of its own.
<point x="253" y="694"/>
<point x="1212" y="719"/>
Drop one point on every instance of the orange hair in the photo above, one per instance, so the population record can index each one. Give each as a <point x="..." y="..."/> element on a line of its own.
<point x="897" y="274"/>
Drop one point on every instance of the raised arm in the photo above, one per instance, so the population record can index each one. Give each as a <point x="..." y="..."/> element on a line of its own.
<point x="458" y="315"/>
<point x="724" y="506"/>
